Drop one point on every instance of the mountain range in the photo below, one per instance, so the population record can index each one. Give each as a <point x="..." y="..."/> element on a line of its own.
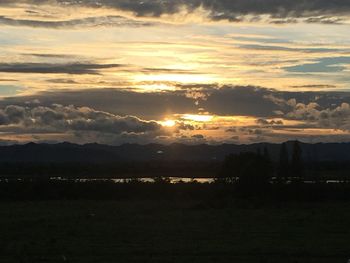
<point x="97" y="153"/>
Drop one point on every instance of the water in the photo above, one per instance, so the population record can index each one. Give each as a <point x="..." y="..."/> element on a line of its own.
<point x="172" y="180"/>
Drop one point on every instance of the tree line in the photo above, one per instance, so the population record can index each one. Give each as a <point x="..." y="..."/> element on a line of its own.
<point x="255" y="170"/>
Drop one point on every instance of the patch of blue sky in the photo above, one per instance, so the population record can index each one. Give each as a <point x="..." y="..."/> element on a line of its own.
<point x="324" y="65"/>
<point x="9" y="90"/>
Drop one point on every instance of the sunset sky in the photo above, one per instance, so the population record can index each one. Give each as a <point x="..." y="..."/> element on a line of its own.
<point x="164" y="71"/>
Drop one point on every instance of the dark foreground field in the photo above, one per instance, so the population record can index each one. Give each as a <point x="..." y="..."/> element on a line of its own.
<point x="173" y="231"/>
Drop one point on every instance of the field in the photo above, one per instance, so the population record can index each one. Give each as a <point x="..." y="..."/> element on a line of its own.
<point x="173" y="231"/>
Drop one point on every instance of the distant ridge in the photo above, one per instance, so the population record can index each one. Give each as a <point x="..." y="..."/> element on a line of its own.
<point x="97" y="153"/>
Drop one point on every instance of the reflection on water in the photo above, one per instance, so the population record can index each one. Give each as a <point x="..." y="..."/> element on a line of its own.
<point x="172" y="180"/>
<point x="177" y="180"/>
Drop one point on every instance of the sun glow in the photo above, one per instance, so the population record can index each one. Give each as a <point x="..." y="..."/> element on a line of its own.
<point x="156" y="87"/>
<point x="180" y="78"/>
<point x="198" y="118"/>
<point x="168" y="123"/>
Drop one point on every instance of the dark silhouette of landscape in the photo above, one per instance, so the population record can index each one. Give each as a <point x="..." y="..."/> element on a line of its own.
<point x="290" y="161"/>
<point x="230" y="203"/>
<point x="289" y="171"/>
<point x="99" y="153"/>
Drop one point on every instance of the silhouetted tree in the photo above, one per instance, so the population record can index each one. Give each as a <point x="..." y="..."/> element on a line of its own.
<point x="251" y="171"/>
<point x="268" y="160"/>
<point x="258" y="151"/>
<point x="161" y="180"/>
<point x="283" y="165"/>
<point x="297" y="163"/>
<point x="266" y="154"/>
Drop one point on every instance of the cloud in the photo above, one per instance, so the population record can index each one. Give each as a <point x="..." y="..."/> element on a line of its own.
<point x="239" y="100"/>
<point x="150" y="105"/>
<point x="223" y="9"/>
<point x="337" y="117"/>
<point x="284" y="11"/>
<point x="219" y="100"/>
<point x="52" y="68"/>
<point x="264" y="122"/>
<point x="8" y="142"/>
<point x="224" y="100"/>
<point x="198" y="136"/>
<point x="76" y="67"/>
<point x="289" y="49"/>
<point x="325" y="20"/>
<point x="46" y="55"/>
<point x="108" y="116"/>
<point x="106" y="21"/>
<point x="61" y="119"/>
<point x="314" y="86"/>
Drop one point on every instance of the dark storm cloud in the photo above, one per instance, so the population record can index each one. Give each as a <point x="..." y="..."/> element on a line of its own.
<point x="77" y="67"/>
<point x="280" y="11"/>
<point x="51" y="68"/>
<point x="58" y="118"/>
<point x="108" y="115"/>
<point x="239" y="100"/>
<point x="227" y="100"/>
<point x="224" y="100"/>
<point x="225" y="9"/>
<point x="85" y="22"/>
<point x="150" y="105"/>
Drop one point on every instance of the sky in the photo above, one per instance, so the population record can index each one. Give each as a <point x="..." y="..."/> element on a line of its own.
<point x="166" y="71"/>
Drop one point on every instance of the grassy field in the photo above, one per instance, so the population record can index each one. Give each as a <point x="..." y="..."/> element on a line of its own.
<point x="173" y="231"/>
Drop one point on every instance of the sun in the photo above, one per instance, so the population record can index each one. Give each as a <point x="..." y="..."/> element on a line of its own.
<point x="168" y="123"/>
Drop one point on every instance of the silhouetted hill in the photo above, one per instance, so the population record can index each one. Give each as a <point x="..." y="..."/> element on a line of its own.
<point x="96" y="153"/>
<point x="60" y="153"/>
